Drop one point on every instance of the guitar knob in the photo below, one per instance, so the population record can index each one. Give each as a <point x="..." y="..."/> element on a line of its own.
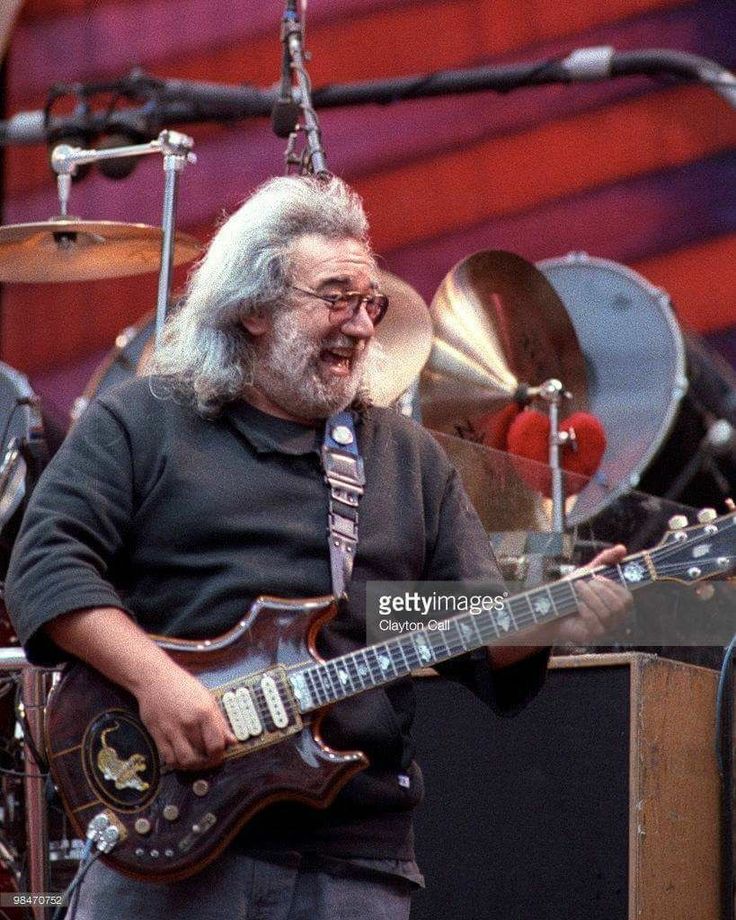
<point x="677" y="522"/>
<point x="706" y="515"/>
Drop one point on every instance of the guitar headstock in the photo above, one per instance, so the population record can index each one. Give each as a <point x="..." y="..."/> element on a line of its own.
<point x="690" y="553"/>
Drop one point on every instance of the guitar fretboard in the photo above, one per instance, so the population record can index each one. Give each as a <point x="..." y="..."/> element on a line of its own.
<point x="321" y="684"/>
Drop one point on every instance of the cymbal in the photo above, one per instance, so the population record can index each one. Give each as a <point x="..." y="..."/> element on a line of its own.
<point x="498" y="325"/>
<point x="501" y="497"/>
<point x="405" y="334"/>
<point x="67" y="249"/>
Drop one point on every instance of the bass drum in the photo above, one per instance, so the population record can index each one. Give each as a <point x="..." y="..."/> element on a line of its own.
<point x="133" y="348"/>
<point x="20" y="423"/>
<point x="636" y="364"/>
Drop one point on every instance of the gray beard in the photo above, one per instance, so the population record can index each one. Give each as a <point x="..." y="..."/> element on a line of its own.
<point x="288" y="371"/>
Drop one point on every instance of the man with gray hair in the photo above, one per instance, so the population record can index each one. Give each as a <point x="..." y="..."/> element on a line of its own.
<point x="181" y="497"/>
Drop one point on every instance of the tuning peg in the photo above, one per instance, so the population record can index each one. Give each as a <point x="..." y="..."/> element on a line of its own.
<point x="705" y="591"/>
<point x="706" y="515"/>
<point x="677" y="522"/>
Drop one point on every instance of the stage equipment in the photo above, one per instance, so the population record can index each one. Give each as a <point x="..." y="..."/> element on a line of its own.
<point x="172" y="102"/>
<point x="67" y="249"/>
<point x="176" y="150"/>
<point x="502" y="337"/>
<point x="667" y="403"/>
<point x="500" y="331"/>
<point x="600" y="799"/>
<point x="285" y="115"/>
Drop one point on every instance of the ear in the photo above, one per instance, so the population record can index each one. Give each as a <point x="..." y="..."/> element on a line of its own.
<point x="257" y="324"/>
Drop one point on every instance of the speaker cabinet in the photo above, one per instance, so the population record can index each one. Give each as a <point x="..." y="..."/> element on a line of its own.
<point x="599" y="800"/>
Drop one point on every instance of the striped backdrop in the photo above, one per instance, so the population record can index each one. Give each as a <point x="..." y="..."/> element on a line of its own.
<point x="634" y="170"/>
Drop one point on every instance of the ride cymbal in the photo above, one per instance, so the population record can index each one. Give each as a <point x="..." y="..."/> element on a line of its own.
<point x="67" y="249"/>
<point x="499" y="327"/>
<point x="405" y="334"/>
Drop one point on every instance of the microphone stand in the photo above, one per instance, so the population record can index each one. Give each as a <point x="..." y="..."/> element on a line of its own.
<point x="192" y="101"/>
<point x="176" y="149"/>
<point x="313" y="158"/>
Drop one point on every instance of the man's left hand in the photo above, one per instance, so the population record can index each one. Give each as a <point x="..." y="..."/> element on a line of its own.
<point x="604" y="604"/>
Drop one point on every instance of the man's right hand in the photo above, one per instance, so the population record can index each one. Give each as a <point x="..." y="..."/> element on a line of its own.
<point x="184" y="720"/>
<point x="181" y="714"/>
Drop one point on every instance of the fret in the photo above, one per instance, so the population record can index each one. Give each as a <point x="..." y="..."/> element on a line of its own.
<point x="350" y="667"/>
<point x="524" y="600"/>
<point x="399" y="645"/>
<point x="325" y="682"/>
<point x="472" y="618"/>
<point x="310" y="678"/>
<point x="490" y="629"/>
<point x="458" y="638"/>
<point x="424" y="650"/>
<point x="441" y="646"/>
<point x="409" y="651"/>
<point x="385" y="660"/>
<point x="441" y="636"/>
<point x="338" y="688"/>
<point x="344" y="677"/>
<point x="372" y="673"/>
<point x="465" y="634"/>
<point x="566" y="597"/>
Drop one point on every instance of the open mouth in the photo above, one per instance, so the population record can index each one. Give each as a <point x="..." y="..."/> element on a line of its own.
<point x="339" y="361"/>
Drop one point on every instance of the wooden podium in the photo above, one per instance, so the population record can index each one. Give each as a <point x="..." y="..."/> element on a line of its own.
<point x="601" y="799"/>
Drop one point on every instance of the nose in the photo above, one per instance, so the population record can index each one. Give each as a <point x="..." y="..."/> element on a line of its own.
<point x="359" y="325"/>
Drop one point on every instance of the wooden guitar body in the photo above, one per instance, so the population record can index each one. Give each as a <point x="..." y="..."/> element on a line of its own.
<point x="171" y="823"/>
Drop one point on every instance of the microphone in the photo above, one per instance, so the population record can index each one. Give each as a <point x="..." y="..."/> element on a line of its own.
<point x="286" y="111"/>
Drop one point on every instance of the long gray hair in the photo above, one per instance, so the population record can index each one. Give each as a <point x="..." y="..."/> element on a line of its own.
<point x="206" y="353"/>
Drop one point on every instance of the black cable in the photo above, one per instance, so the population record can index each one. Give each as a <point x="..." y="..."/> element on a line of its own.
<point x="724" y="759"/>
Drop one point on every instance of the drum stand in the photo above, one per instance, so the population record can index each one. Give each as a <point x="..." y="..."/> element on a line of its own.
<point x="556" y="549"/>
<point x="176" y="149"/>
<point x="37" y="834"/>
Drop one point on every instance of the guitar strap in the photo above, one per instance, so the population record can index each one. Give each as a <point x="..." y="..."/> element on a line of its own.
<point x="344" y="474"/>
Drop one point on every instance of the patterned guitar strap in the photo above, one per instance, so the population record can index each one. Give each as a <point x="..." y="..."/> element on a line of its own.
<point x="343" y="471"/>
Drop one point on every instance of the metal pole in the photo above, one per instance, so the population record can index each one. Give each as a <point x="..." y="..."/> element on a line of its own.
<point x="37" y="824"/>
<point x="173" y="165"/>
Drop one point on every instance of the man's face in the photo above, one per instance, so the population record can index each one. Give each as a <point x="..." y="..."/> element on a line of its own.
<point x="307" y="366"/>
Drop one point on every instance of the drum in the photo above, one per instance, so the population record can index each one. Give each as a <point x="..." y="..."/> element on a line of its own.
<point x="133" y="348"/>
<point x="635" y="358"/>
<point x="20" y="424"/>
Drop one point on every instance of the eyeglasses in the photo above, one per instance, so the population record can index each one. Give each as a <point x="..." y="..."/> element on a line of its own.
<point x="344" y="306"/>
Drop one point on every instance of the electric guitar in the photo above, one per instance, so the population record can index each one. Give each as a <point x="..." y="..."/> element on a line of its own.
<point x="156" y="823"/>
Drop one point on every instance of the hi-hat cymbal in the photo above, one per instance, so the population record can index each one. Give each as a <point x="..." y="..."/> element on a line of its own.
<point x="498" y="325"/>
<point x="405" y="335"/>
<point x="67" y="249"/>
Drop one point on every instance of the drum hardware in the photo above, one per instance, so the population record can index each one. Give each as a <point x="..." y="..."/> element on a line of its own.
<point x="553" y="392"/>
<point x="500" y="329"/>
<point x="69" y="249"/>
<point x="176" y="149"/>
<point x="502" y="338"/>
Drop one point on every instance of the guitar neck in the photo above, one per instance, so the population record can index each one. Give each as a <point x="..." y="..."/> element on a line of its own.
<point x="325" y="683"/>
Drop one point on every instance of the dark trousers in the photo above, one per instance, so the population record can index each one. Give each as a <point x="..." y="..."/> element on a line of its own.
<point x="238" y="887"/>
